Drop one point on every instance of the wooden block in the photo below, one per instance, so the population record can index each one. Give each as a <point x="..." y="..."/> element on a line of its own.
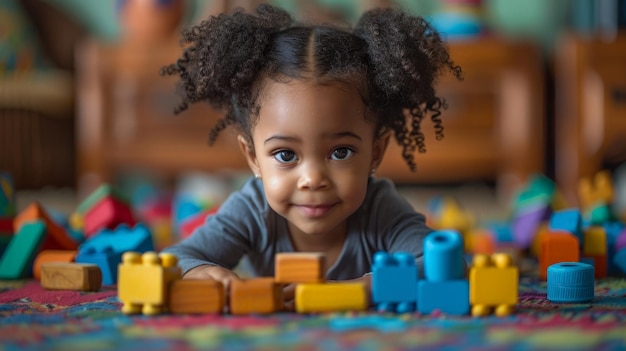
<point x="21" y="251"/>
<point x="49" y="256"/>
<point x="330" y="297"/>
<point x="257" y="295"/>
<point x="298" y="267"/>
<point x="71" y="276"/>
<point x="196" y="296"/>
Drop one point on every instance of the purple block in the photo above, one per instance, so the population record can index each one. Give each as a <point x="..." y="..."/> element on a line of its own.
<point x="526" y="224"/>
<point x="620" y="242"/>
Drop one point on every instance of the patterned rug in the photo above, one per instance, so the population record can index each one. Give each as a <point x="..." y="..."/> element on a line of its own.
<point x="35" y="319"/>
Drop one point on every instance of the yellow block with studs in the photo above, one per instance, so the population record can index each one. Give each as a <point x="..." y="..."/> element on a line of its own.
<point x="494" y="282"/>
<point x="143" y="281"/>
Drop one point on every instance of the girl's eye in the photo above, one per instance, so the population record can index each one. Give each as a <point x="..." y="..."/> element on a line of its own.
<point x="341" y="153"/>
<point x="285" y="156"/>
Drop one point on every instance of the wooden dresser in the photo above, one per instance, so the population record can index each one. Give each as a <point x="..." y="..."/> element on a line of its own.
<point x="494" y="127"/>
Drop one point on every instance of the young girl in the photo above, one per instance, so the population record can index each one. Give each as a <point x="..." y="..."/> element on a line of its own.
<point x="315" y="107"/>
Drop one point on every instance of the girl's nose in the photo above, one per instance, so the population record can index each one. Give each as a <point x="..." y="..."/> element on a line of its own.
<point x="313" y="177"/>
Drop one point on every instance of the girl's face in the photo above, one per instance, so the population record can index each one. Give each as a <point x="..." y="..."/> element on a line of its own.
<point x="314" y="151"/>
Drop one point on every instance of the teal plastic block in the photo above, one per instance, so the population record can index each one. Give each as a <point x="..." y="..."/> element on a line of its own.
<point x="21" y="251"/>
<point x="449" y="297"/>
<point x="7" y="195"/>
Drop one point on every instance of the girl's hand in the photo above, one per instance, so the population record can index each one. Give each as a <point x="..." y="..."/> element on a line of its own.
<point x="220" y="274"/>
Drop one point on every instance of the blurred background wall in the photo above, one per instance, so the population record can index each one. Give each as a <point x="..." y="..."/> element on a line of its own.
<point x="79" y="96"/>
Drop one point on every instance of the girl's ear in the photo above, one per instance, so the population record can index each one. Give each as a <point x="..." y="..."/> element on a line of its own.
<point x="380" y="146"/>
<point x="248" y="152"/>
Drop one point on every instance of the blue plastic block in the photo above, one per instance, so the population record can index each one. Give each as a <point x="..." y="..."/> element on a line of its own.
<point x="569" y="220"/>
<point x="613" y="230"/>
<point x="501" y="231"/>
<point x="394" y="281"/>
<point x="443" y="256"/>
<point x="105" y="258"/>
<point x="380" y="323"/>
<point x="449" y="297"/>
<point x="620" y="260"/>
<point x="122" y="239"/>
<point x="17" y="259"/>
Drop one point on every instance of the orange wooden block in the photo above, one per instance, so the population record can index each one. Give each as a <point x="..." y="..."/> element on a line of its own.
<point x="71" y="276"/>
<point x="57" y="237"/>
<point x="300" y="267"/>
<point x="196" y="296"/>
<point x="257" y="295"/>
<point x="557" y="247"/>
<point x="49" y="256"/>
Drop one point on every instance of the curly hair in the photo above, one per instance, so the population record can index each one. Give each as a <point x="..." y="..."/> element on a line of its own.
<point x="392" y="58"/>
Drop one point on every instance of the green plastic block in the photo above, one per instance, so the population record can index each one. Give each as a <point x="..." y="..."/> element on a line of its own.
<point x="94" y="198"/>
<point x="20" y="253"/>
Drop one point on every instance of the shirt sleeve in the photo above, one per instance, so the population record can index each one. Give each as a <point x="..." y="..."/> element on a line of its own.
<point x="226" y="236"/>
<point x="400" y="226"/>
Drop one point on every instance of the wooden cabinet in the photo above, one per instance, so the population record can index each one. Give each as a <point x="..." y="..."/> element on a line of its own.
<point x="494" y="127"/>
<point x="590" y="75"/>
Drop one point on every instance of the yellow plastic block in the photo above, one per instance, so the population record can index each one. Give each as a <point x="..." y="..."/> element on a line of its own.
<point x="452" y="216"/>
<point x="594" y="241"/>
<point x="596" y="190"/>
<point x="330" y="297"/>
<point x="143" y="281"/>
<point x="493" y="284"/>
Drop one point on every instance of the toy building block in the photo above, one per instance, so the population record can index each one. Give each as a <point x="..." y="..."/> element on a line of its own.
<point x="144" y="281"/>
<point x="105" y="258"/>
<point x="57" y="237"/>
<point x="479" y="241"/>
<point x="106" y="248"/>
<point x="189" y="225"/>
<point x="103" y="191"/>
<point x="4" y="243"/>
<point x="6" y="226"/>
<point x="557" y="247"/>
<point x="570" y="282"/>
<point x="7" y="195"/>
<point x="71" y="276"/>
<point x="20" y="253"/>
<point x="256" y="296"/>
<point x="297" y="267"/>
<point x="620" y="241"/>
<point x="599" y="263"/>
<point x="450" y="216"/>
<point x="594" y="242"/>
<point x="449" y="297"/>
<point x="394" y="281"/>
<point x="620" y="260"/>
<point x="443" y="256"/>
<point x="569" y="220"/>
<point x="107" y="214"/>
<point x="493" y="283"/>
<point x="50" y="256"/>
<point x="330" y="297"/>
<point x="121" y="239"/>
<point x="596" y="190"/>
<point x="196" y="296"/>
<point x="526" y="224"/>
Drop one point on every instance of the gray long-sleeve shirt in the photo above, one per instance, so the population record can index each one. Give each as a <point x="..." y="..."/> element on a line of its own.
<point x="245" y="225"/>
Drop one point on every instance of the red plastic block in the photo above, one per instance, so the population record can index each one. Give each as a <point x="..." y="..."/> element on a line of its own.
<point x="108" y="214"/>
